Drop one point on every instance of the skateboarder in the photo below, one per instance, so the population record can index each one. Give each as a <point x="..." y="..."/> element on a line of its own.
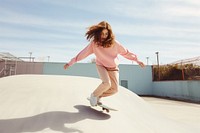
<point x="106" y="49"/>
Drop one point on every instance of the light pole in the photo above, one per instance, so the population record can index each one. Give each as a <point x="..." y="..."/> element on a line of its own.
<point x="157" y="53"/>
<point x="48" y="58"/>
<point x="30" y="55"/>
<point x="147" y="60"/>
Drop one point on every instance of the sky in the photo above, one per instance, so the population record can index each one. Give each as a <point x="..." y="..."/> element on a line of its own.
<point x="54" y="30"/>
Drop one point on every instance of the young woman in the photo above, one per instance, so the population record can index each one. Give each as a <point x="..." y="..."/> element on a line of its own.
<point x="106" y="49"/>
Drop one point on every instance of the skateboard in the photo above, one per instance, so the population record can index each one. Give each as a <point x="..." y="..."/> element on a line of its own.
<point x="104" y="107"/>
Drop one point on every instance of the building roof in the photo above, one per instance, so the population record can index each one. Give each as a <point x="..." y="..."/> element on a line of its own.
<point x="9" y="57"/>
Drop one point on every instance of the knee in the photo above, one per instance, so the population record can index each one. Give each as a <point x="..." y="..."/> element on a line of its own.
<point x="112" y="91"/>
<point x="107" y="84"/>
<point x="115" y="90"/>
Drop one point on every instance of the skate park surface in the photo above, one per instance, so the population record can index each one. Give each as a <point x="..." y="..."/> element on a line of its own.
<point x="58" y="104"/>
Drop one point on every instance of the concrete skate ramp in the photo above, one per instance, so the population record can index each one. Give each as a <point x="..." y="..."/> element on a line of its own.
<point x="58" y="104"/>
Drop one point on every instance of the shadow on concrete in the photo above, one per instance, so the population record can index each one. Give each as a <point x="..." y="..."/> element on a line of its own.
<point x="54" y="120"/>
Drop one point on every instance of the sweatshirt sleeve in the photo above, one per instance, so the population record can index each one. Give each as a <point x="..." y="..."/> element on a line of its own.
<point x="88" y="50"/>
<point x="125" y="53"/>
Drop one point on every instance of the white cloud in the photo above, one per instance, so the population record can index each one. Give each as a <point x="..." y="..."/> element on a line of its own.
<point x="14" y="17"/>
<point x="183" y="9"/>
<point x="149" y="30"/>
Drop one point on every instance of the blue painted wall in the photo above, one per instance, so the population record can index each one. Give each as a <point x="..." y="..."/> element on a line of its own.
<point x="78" y="69"/>
<point x="139" y="80"/>
<point x="183" y="90"/>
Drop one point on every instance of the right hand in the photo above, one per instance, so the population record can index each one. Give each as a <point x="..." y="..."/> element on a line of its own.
<point x="66" y="66"/>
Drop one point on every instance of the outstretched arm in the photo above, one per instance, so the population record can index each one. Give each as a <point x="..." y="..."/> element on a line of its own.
<point x="80" y="56"/>
<point x="128" y="55"/>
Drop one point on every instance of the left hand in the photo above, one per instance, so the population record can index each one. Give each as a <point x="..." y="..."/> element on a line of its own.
<point x="66" y="66"/>
<point x="141" y="64"/>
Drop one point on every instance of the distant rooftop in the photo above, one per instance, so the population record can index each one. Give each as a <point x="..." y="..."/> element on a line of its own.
<point x="9" y="57"/>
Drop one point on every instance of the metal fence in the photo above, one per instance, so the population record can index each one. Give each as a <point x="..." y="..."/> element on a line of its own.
<point x="8" y="68"/>
<point x="176" y="72"/>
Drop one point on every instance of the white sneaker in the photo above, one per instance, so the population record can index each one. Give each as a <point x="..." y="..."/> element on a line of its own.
<point x="99" y="101"/>
<point x="93" y="100"/>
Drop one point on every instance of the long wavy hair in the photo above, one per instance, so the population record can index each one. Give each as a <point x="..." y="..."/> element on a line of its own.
<point x="94" y="33"/>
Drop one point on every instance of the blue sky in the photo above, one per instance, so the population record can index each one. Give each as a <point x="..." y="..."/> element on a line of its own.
<point x="56" y="28"/>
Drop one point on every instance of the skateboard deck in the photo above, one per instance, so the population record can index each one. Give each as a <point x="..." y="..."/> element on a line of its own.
<point x="104" y="107"/>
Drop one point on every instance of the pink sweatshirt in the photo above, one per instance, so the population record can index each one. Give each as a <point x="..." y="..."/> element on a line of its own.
<point x="107" y="57"/>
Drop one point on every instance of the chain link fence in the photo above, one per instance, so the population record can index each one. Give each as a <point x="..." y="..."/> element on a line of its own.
<point x="188" y="69"/>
